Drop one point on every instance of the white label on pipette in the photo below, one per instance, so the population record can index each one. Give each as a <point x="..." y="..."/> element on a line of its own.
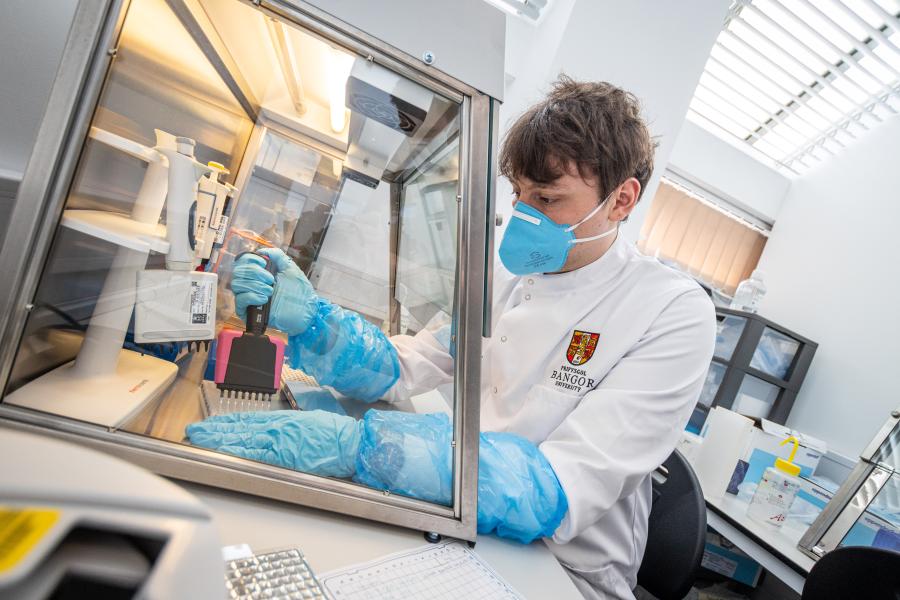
<point x="201" y="301"/>
<point x="220" y="231"/>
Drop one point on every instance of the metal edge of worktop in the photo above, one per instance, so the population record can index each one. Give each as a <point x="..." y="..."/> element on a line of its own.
<point x="757" y="539"/>
<point x="757" y="552"/>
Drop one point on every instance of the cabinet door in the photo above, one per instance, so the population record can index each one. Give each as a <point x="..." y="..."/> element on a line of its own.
<point x="728" y="332"/>
<point x="707" y="396"/>
<point x="775" y="353"/>
<point x="755" y="397"/>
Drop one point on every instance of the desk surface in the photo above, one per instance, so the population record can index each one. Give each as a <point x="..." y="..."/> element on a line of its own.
<point x="330" y="541"/>
<point x="775" y="549"/>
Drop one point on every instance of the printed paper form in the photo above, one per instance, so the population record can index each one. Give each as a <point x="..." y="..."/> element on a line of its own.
<point x="445" y="571"/>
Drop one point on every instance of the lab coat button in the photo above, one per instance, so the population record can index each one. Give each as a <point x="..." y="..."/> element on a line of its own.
<point x="503" y="339"/>
<point x="531" y="282"/>
<point x="495" y="389"/>
<point x="528" y="296"/>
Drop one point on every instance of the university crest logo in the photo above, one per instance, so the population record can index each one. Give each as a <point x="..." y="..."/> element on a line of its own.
<point x="581" y="347"/>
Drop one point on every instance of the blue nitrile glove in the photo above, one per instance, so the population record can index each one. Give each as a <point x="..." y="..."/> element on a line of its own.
<point x="294" y="300"/>
<point x="519" y="496"/>
<point x="317" y="442"/>
<point x="251" y="283"/>
<point x="338" y="347"/>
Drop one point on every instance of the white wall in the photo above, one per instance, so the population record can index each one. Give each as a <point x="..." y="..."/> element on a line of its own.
<point x="729" y="172"/>
<point x="832" y="272"/>
<point x="656" y="50"/>
<point x="530" y="49"/>
<point x="33" y="35"/>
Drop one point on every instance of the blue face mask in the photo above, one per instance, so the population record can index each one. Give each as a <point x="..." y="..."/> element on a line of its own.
<point x="534" y="243"/>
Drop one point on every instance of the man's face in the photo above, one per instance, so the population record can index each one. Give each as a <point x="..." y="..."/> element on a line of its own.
<point x="570" y="198"/>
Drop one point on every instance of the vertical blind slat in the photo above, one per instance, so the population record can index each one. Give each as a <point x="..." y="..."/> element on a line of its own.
<point x="711" y="245"/>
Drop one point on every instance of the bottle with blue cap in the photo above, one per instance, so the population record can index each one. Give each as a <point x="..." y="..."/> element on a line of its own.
<point x="777" y="489"/>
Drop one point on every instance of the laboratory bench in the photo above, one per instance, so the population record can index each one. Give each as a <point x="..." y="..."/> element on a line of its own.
<point x="331" y="541"/>
<point x="181" y="405"/>
<point x="775" y="549"/>
<point x="167" y="417"/>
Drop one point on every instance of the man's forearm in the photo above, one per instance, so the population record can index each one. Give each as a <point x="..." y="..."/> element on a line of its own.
<point x="342" y="350"/>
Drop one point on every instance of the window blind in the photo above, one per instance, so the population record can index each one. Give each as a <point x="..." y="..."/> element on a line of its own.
<point x="796" y="80"/>
<point x="716" y="247"/>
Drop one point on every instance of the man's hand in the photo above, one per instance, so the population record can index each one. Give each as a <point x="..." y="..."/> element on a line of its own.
<point x="317" y="442"/>
<point x="293" y="297"/>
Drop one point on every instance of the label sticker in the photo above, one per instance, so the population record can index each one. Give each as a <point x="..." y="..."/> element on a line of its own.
<point x="220" y="231"/>
<point x="201" y="302"/>
<point x="718" y="563"/>
<point x="201" y="225"/>
<point x="20" y="531"/>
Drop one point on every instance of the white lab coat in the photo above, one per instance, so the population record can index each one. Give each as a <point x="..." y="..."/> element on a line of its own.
<point x="605" y="419"/>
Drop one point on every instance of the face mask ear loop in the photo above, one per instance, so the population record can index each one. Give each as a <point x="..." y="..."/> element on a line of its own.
<point x="595" y="237"/>
<point x="592" y="213"/>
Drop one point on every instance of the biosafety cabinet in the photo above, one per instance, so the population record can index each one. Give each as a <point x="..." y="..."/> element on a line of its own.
<point x="358" y="137"/>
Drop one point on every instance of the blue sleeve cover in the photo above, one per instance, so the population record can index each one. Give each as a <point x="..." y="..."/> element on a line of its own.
<point x="407" y="454"/>
<point x="309" y="399"/>
<point x="343" y="350"/>
<point x="519" y="496"/>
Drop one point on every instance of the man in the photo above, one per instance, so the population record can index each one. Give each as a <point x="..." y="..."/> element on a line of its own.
<point x="596" y="360"/>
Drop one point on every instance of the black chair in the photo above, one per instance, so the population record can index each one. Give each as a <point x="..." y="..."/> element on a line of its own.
<point x="676" y="532"/>
<point x="855" y="572"/>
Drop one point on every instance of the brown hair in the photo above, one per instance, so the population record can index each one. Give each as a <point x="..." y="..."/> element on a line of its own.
<point x="595" y="125"/>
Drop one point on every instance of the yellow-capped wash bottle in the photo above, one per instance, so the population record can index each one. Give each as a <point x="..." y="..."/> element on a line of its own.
<point x="776" y="490"/>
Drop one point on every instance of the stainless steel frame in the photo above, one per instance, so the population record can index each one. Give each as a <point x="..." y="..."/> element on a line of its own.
<point x="213" y="48"/>
<point x="86" y="59"/>
<point x="82" y="72"/>
<point x="494" y="145"/>
<point x="319" y="22"/>
<point x="393" y="304"/>
<point x="470" y="300"/>
<point x="863" y="484"/>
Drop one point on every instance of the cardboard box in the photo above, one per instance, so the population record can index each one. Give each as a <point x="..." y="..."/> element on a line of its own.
<point x="811" y="500"/>
<point x="814" y="494"/>
<point x="765" y="446"/>
<point x="688" y="445"/>
<point x="874" y="530"/>
<point x="724" y="558"/>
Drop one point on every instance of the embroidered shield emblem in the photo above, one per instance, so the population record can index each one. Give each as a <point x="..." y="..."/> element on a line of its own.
<point x="581" y="347"/>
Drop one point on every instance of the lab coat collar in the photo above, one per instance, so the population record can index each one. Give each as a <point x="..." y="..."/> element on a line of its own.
<point x="601" y="271"/>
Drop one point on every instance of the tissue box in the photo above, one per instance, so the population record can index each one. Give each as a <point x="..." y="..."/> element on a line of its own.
<point x="722" y="557"/>
<point x="764" y="447"/>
